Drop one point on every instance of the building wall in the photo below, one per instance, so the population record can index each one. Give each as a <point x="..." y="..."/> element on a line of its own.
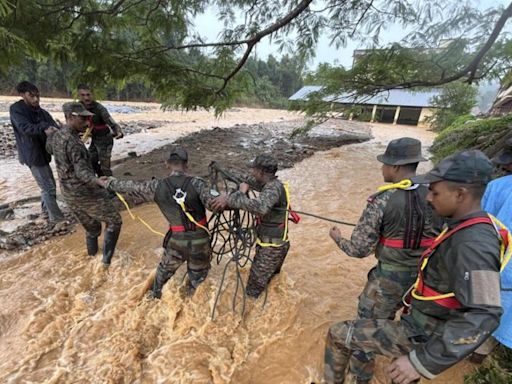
<point x="425" y="112"/>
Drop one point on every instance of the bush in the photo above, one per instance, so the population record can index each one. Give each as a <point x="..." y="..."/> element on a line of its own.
<point x="497" y="368"/>
<point x="468" y="132"/>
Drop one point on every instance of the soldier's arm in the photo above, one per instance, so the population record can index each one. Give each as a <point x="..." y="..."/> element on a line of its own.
<point x="474" y="266"/>
<point x="77" y="153"/>
<point x="365" y="235"/>
<point x="260" y="205"/>
<point x="142" y="189"/>
<point x="203" y="190"/>
<point x="105" y="115"/>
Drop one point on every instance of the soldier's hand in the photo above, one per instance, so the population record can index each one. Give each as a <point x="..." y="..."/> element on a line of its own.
<point x="50" y="130"/>
<point x="401" y="371"/>
<point x="335" y="234"/>
<point x="119" y="134"/>
<point x="244" y="187"/>
<point x="102" y="181"/>
<point x="220" y="202"/>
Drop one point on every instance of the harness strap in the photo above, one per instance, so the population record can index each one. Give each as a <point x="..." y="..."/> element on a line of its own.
<point x="399" y="243"/>
<point x="421" y="291"/>
<point x="181" y="228"/>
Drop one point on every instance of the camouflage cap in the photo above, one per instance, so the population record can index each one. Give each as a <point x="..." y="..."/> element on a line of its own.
<point x="76" y="109"/>
<point x="404" y="150"/>
<point x="469" y="167"/>
<point x="265" y="162"/>
<point x="178" y="153"/>
<point x="504" y="156"/>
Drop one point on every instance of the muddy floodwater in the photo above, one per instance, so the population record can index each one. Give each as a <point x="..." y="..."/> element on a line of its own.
<point x="65" y="320"/>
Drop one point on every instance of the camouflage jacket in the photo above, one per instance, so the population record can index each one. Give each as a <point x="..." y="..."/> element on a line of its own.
<point x="102" y="116"/>
<point x="76" y="176"/>
<point x="366" y="234"/>
<point x="387" y="216"/>
<point x="268" y="197"/>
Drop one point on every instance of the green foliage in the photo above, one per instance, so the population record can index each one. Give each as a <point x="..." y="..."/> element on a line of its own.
<point x="497" y="368"/>
<point x="468" y="133"/>
<point x="118" y="42"/>
<point x="455" y="100"/>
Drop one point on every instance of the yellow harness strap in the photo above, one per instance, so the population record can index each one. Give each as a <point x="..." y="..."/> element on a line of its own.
<point x="191" y="218"/>
<point x="505" y="256"/>
<point x="135" y="217"/>
<point x="285" y="233"/>
<point x="403" y="184"/>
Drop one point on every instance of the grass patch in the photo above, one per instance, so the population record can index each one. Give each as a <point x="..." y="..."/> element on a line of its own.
<point x="496" y="369"/>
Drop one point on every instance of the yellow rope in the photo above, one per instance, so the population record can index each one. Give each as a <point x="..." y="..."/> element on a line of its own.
<point x="404" y="184"/>
<point x="135" y="217"/>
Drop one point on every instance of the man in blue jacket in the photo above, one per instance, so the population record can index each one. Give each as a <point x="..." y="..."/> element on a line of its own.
<point x="32" y="125"/>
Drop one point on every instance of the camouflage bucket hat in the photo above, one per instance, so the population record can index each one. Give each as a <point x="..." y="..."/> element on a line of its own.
<point x="75" y="109"/>
<point x="266" y="163"/>
<point x="178" y="153"/>
<point x="405" y="150"/>
<point x="469" y="167"/>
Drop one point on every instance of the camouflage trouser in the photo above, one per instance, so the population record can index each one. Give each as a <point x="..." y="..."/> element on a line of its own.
<point x="100" y="151"/>
<point x="267" y="263"/>
<point x="384" y="337"/>
<point x="91" y="212"/>
<point x="197" y="254"/>
<point x="380" y="299"/>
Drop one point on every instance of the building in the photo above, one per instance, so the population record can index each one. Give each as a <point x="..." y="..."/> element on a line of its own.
<point x="503" y="103"/>
<point x="395" y="106"/>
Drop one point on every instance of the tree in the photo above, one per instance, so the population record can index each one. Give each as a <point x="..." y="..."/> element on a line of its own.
<point x="113" y="41"/>
<point x="457" y="99"/>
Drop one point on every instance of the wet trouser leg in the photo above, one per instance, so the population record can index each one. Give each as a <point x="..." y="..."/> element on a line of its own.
<point x="101" y="154"/>
<point x="381" y="299"/>
<point x="167" y="267"/>
<point x="384" y="337"/>
<point x="90" y="212"/>
<point x="198" y="262"/>
<point x="44" y="178"/>
<point x="267" y="261"/>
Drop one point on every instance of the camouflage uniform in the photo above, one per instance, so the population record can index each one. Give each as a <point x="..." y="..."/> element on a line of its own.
<point x="102" y="142"/>
<point x="191" y="245"/>
<point x="434" y="336"/>
<point x="268" y="259"/>
<point x="89" y="202"/>
<point x="400" y="214"/>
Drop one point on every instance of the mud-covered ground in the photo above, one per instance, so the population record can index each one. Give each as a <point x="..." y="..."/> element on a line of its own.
<point x="232" y="147"/>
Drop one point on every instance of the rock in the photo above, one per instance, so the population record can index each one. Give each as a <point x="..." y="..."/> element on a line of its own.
<point x="6" y="214"/>
<point x="132" y="154"/>
<point x="127" y="174"/>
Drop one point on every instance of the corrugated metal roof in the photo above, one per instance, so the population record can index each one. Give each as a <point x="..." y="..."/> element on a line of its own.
<point x="393" y="97"/>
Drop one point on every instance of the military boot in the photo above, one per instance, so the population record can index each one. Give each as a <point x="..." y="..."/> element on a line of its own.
<point x="92" y="245"/>
<point x="109" y="245"/>
<point x="161" y="277"/>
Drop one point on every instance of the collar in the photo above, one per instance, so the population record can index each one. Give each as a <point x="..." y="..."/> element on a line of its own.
<point x="454" y="222"/>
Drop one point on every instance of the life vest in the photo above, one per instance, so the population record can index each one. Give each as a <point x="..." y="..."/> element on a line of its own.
<point x="408" y="224"/>
<point x="274" y="225"/>
<point x="180" y="204"/>
<point x="420" y="291"/>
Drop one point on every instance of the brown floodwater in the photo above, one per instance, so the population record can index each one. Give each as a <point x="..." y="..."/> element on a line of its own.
<point x="64" y="320"/>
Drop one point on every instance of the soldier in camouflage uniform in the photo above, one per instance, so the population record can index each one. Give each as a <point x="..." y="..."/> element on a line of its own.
<point x="397" y="224"/>
<point x="186" y="240"/>
<point x="462" y="265"/>
<point x="102" y="124"/>
<point x="270" y="207"/>
<point x="89" y="203"/>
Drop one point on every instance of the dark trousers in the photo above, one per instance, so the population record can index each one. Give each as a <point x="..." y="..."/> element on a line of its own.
<point x="44" y="179"/>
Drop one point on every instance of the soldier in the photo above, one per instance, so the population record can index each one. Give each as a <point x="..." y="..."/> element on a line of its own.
<point x="455" y="303"/>
<point x="90" y="203"/>
<point x="101" y="123"/>
<point x="397" y="224"/>
<point x="271" y="207"/>
<point x="32" y="125"/>
<point x="182" y="200"/>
